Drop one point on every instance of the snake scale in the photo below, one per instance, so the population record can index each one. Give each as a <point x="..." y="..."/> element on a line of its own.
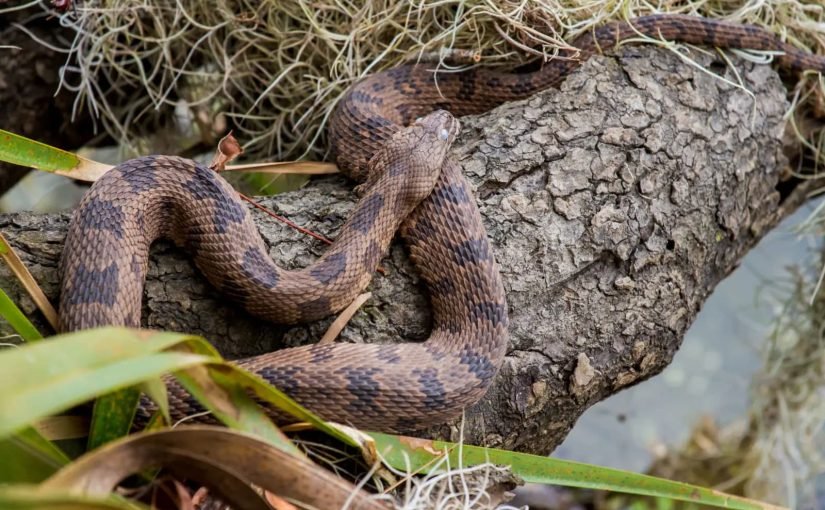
<point x="375" y="137"/>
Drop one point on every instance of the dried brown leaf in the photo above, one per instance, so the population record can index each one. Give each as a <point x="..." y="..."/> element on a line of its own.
<point x="226" y="461"/>
<point x="277" y="502"/>
<point x="228" y="149"/>
<point x="286" y="167"/>
<point x="56" y="428"/>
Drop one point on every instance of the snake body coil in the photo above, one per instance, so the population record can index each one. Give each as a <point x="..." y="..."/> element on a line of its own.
<point x="388" y="387"/>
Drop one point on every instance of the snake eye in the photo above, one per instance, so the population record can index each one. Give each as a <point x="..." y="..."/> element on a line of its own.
<point x="444" y="134"/>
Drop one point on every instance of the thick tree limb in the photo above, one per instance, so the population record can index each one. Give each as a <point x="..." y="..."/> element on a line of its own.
<point x="615" y="206"/>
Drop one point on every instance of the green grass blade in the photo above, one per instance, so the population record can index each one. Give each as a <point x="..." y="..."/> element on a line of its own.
<point x="422" y="456"/>
<point x="227" y="399"/>
<point x="78" y="386"/>
<point x="29" y="458"/>
<point x="156" y="390"/>
<point x="47" y="377"/>
<point x="27" y="152"/>
<point x="17" y="320"/>
<point x="31" y="497"/>
<point x="277" y="398"/>
<point x="33" y="364"/>
<point x="112" y="417"/>
<point x="222" y="388"/>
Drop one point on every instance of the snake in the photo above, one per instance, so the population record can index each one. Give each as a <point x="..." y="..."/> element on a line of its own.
<point x="383" y="126"/>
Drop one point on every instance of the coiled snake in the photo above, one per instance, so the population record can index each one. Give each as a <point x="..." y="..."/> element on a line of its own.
<point x="386" y="387"/>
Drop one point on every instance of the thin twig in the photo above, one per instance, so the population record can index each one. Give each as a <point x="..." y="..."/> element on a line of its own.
<point x="343" y="319"/>
<point x="286" y="221"/>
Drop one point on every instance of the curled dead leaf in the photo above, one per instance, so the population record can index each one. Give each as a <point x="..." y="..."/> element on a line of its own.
<point x="278" y="503"/>
<point x="226" y="461"/>
<point x="228" y="149"/>
<point x="63" y="427"/>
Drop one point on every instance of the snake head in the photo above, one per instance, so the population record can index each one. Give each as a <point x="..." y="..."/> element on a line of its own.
<point x="431" y="137"/>
<point x="440" y="129"/>
<point x="413" y="156"/>
<point x="426" y="143"/>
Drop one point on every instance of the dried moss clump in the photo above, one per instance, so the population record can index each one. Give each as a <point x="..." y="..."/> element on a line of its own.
<point x="275" y="68"/>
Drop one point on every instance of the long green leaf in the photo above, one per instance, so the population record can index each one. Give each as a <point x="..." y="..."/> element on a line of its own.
<point x="27" y="152"/>
<point x="420" y="455"/>
<point x="112" y="417"/>
<point x="29" y="365"/>
<point x="28" y="457"/>
<point x="228" y="401"/>
<point x="76" y="387"/>
<point x="281" y="400"/>
<point x="113" y="413"/>
<point x="155" y="389"/>
<point x="47" y="377"/>
<point x="30" y="497"/>
<point x="18" y="321"/>
<point x="24" y="151"/>
<point x="221" y="389"/>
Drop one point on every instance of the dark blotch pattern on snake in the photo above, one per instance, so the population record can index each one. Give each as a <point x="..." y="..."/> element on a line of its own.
<point x="374" y="386"/>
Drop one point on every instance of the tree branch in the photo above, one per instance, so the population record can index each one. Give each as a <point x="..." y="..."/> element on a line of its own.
<point x="615" y="207"/>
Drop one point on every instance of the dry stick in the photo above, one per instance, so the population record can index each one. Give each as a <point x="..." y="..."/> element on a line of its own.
<point x="286" y="167"/>
<point x="343" y="318"/>
<point x="29" y="283"/>
<point x="284" y="220"/>
<point x="296" y="226"/>
<point x="449" y="55"/>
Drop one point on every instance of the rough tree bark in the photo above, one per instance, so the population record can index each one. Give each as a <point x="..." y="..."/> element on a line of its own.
<point x="615" y="206"/>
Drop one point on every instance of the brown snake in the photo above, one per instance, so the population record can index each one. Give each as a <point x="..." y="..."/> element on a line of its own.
<point x="386" y="387"/>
